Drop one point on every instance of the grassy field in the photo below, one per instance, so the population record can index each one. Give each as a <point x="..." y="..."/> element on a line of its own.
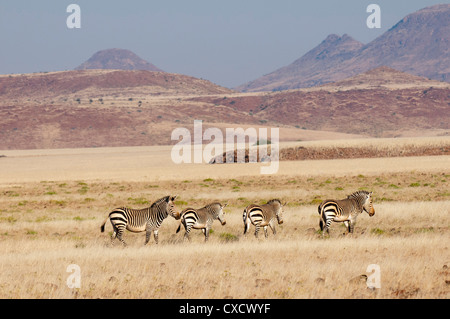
<point x="52" y="203"/>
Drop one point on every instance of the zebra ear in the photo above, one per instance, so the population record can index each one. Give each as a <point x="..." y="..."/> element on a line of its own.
<point x="173" y="198"/>
<point x="225" y="205"/>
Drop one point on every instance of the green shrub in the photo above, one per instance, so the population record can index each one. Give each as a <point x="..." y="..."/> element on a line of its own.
<point x="377" y="231"/>
<point x="227" y="237"/>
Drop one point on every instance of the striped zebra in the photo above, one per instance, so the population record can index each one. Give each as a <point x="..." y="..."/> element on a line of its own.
<point x="345" y="210"/>
<point x="139" y="220"/>
<point x="263" y="216"/>
<point x="202" y="218"/>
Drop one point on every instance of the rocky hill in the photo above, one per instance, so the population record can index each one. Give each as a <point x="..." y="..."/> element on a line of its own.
<point x="93" y="84"/>
<point x="117" y="59"/>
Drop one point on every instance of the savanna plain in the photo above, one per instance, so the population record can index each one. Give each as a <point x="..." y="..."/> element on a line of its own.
<point x="52" y="203"/>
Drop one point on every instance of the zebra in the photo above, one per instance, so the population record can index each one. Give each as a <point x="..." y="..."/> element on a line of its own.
<point x="202" y="218"/>
<point x="345" y="210"/>
<point x="139" y="220"/>
<point x="263" y="216"/>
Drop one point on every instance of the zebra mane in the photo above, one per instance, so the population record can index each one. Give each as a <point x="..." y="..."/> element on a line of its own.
<point x="276" y="200"/>
<point x="160" y="201"/>
<point x="358" y="194"/>
<point x="213" y="204"/>
<point x="213" y="207"/>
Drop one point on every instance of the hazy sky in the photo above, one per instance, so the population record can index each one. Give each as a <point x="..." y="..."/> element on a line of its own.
<point x="228" y="42"/>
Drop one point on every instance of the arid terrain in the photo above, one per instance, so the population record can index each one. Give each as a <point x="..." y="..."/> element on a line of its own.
<point x="52" y="203"/>
<point x="345" y="117"/>
<point x="104" y="108"/>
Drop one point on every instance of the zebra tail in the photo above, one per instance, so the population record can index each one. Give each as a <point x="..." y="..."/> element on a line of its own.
<point x="246" y="225"/>
<point x="102" y="227"/>
<point x="321" y="221"/>
<point x="181" y="222"/>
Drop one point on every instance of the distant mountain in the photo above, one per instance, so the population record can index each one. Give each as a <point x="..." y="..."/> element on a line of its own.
<point x="419" y="44"/>
<point x="309" y="70"/>
<point x="117" y="59"/>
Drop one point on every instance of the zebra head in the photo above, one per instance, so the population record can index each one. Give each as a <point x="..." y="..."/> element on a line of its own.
<point x="221" y="214"/>
<point x="364" y="200"/>
<point x="278" y="207"/>
<point x="280" y="213"/>
<point x="368" y="205"/>
<point x="170" y="208"/>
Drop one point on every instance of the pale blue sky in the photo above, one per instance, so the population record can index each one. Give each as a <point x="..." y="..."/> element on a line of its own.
<point x="228" y="42"/>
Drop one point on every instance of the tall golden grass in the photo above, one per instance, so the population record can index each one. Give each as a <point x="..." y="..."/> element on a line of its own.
<point x="407" y="240"/>
<point x="47" y="224"/>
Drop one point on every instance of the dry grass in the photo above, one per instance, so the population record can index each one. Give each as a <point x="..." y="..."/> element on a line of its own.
<point x="47" y="224"/>
<point x="410" y="247"/>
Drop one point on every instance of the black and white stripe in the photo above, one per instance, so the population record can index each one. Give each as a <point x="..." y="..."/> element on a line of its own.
<point x="139" y="220"/>
<point x="345" y="210"/>
<point x="202" y="218"/>
<point x="263" y="216"/>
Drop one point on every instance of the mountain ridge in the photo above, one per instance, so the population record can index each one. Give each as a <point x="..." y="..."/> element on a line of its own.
<point x="418" y="44"/>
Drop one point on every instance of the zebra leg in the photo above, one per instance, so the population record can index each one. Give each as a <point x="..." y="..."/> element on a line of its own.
<point x="119" y="235"/>
<point x="327" y="227"/>
<point x="206" y="233"/>
<point x="186" y="234"/>
<point x="347" y="224"/>
<point x="155" y="234"/>
<point x="114" y="234"/>
<point x="273" y="227"/>
<point x="256" y="230"/>
<point x="148" y="234"/>
<point x="265" y="232"/>
<point x="351" y="227"/>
